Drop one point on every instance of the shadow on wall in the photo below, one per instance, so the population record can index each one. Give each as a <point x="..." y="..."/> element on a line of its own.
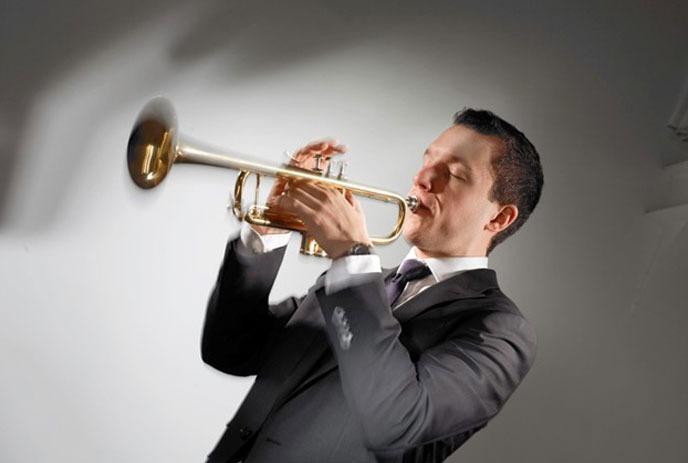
<point x="42" y="42"/>
<point x="39" y="43"/>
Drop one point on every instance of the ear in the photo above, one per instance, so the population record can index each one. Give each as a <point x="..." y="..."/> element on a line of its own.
<point x="504" y="217"/>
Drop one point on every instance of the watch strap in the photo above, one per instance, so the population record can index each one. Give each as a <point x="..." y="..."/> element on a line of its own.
<point x="360" y="249"/>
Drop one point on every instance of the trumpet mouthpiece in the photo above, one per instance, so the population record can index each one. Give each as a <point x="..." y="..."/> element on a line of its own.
<point x="412" y="203"/>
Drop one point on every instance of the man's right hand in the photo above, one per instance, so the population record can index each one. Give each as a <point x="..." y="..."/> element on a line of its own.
<point x="302" y="158"/>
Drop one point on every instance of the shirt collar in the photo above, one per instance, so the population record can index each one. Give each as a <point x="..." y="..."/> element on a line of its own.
<point x="444" y="267"/>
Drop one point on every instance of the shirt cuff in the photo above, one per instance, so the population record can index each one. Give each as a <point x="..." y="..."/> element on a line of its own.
<point x="260" y="244"/>
<point x="351" y="270"/>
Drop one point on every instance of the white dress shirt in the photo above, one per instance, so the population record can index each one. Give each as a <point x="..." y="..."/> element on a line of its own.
<point x="351" y="270"/>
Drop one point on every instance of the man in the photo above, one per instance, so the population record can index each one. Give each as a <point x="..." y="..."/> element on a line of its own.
<point x="397" y="365"/>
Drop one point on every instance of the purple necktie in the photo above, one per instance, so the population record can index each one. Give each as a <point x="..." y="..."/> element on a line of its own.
<point x="409" y="270"/>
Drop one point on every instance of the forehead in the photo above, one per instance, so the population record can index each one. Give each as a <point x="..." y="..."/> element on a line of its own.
<point x="466" y="145"/>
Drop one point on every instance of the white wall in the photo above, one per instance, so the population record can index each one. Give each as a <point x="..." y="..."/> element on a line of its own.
<point x="103" y="286"/>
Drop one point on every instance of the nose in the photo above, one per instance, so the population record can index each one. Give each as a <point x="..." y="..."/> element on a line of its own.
<point x="427" y="177"/>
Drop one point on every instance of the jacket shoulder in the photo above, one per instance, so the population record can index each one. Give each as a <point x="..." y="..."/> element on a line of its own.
<point x="503" y="317"/>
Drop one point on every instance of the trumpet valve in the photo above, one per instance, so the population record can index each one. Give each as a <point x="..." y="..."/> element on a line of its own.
<point x="342" y="167"/>
<point x="328" y="170"/>
<point x="316" y="167"/>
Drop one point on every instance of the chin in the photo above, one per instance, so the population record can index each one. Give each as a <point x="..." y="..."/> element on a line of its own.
<point x="413" y="233"/>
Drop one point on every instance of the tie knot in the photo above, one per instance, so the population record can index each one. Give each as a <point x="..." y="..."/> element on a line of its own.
<point x="409" y="270"/>
<point x="412" y="269"/>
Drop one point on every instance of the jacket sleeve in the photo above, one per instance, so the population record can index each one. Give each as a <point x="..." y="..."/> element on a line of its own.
<point x="455" y="386"/>
<point x="240" y="325"/>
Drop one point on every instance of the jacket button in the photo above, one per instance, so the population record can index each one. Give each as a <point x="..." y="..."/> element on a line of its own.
<point x="245" y="433"/>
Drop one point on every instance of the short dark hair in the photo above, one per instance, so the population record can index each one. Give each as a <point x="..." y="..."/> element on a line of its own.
<point x="516" y="169"/>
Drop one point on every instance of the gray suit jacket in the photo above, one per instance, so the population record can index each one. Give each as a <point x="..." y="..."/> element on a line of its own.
<point x="340" y="378"/>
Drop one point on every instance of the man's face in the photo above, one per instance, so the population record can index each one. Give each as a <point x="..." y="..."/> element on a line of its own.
<point x="452" y="186"/>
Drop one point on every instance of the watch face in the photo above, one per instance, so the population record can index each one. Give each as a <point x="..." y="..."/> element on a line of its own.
<point x="360" y="249"/>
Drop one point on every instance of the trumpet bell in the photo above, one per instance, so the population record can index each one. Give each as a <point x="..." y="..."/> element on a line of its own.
<point x="152" y="146"/>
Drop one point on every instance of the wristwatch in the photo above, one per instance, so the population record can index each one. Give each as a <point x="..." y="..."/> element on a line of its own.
<point x="359" y="249"/>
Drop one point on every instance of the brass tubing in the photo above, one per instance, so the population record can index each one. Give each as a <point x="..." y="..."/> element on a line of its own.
<point x="154" y="147"/>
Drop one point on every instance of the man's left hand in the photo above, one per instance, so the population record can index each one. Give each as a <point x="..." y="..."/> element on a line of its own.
<point x="335" y="220"/>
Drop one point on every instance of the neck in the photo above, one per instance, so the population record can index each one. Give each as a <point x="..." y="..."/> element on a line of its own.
<point x="426" y="254"/>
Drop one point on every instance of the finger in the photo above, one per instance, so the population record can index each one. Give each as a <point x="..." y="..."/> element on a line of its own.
<point x="349" y="197"/>
<point x="332" y="149"/>
<point x="279" y="186"/>
<point x="354" y="201"/>
<point x="305" y="160"/>
<point x="317" y="190"/>
<point x="335" y="148"/>
<point x="321" y="144"/>
<point x="305" y="153"/>
<point x="304" y="195"/>
<point x="297" y="208"/>
<point x="325" y="146"/>
<point x="298" y="158"/>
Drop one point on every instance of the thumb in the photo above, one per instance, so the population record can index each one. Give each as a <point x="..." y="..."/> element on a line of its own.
<point x="353" y="201"/>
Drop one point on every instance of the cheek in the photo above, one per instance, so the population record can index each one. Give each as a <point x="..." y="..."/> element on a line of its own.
<point x="462" y="216"/>
<point x="451" y="225"/>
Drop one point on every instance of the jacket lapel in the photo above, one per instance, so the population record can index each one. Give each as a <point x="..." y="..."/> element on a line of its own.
<point x="464" y="285"/>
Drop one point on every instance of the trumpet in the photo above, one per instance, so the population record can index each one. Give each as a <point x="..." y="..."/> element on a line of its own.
<point x="155" y="145"/>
